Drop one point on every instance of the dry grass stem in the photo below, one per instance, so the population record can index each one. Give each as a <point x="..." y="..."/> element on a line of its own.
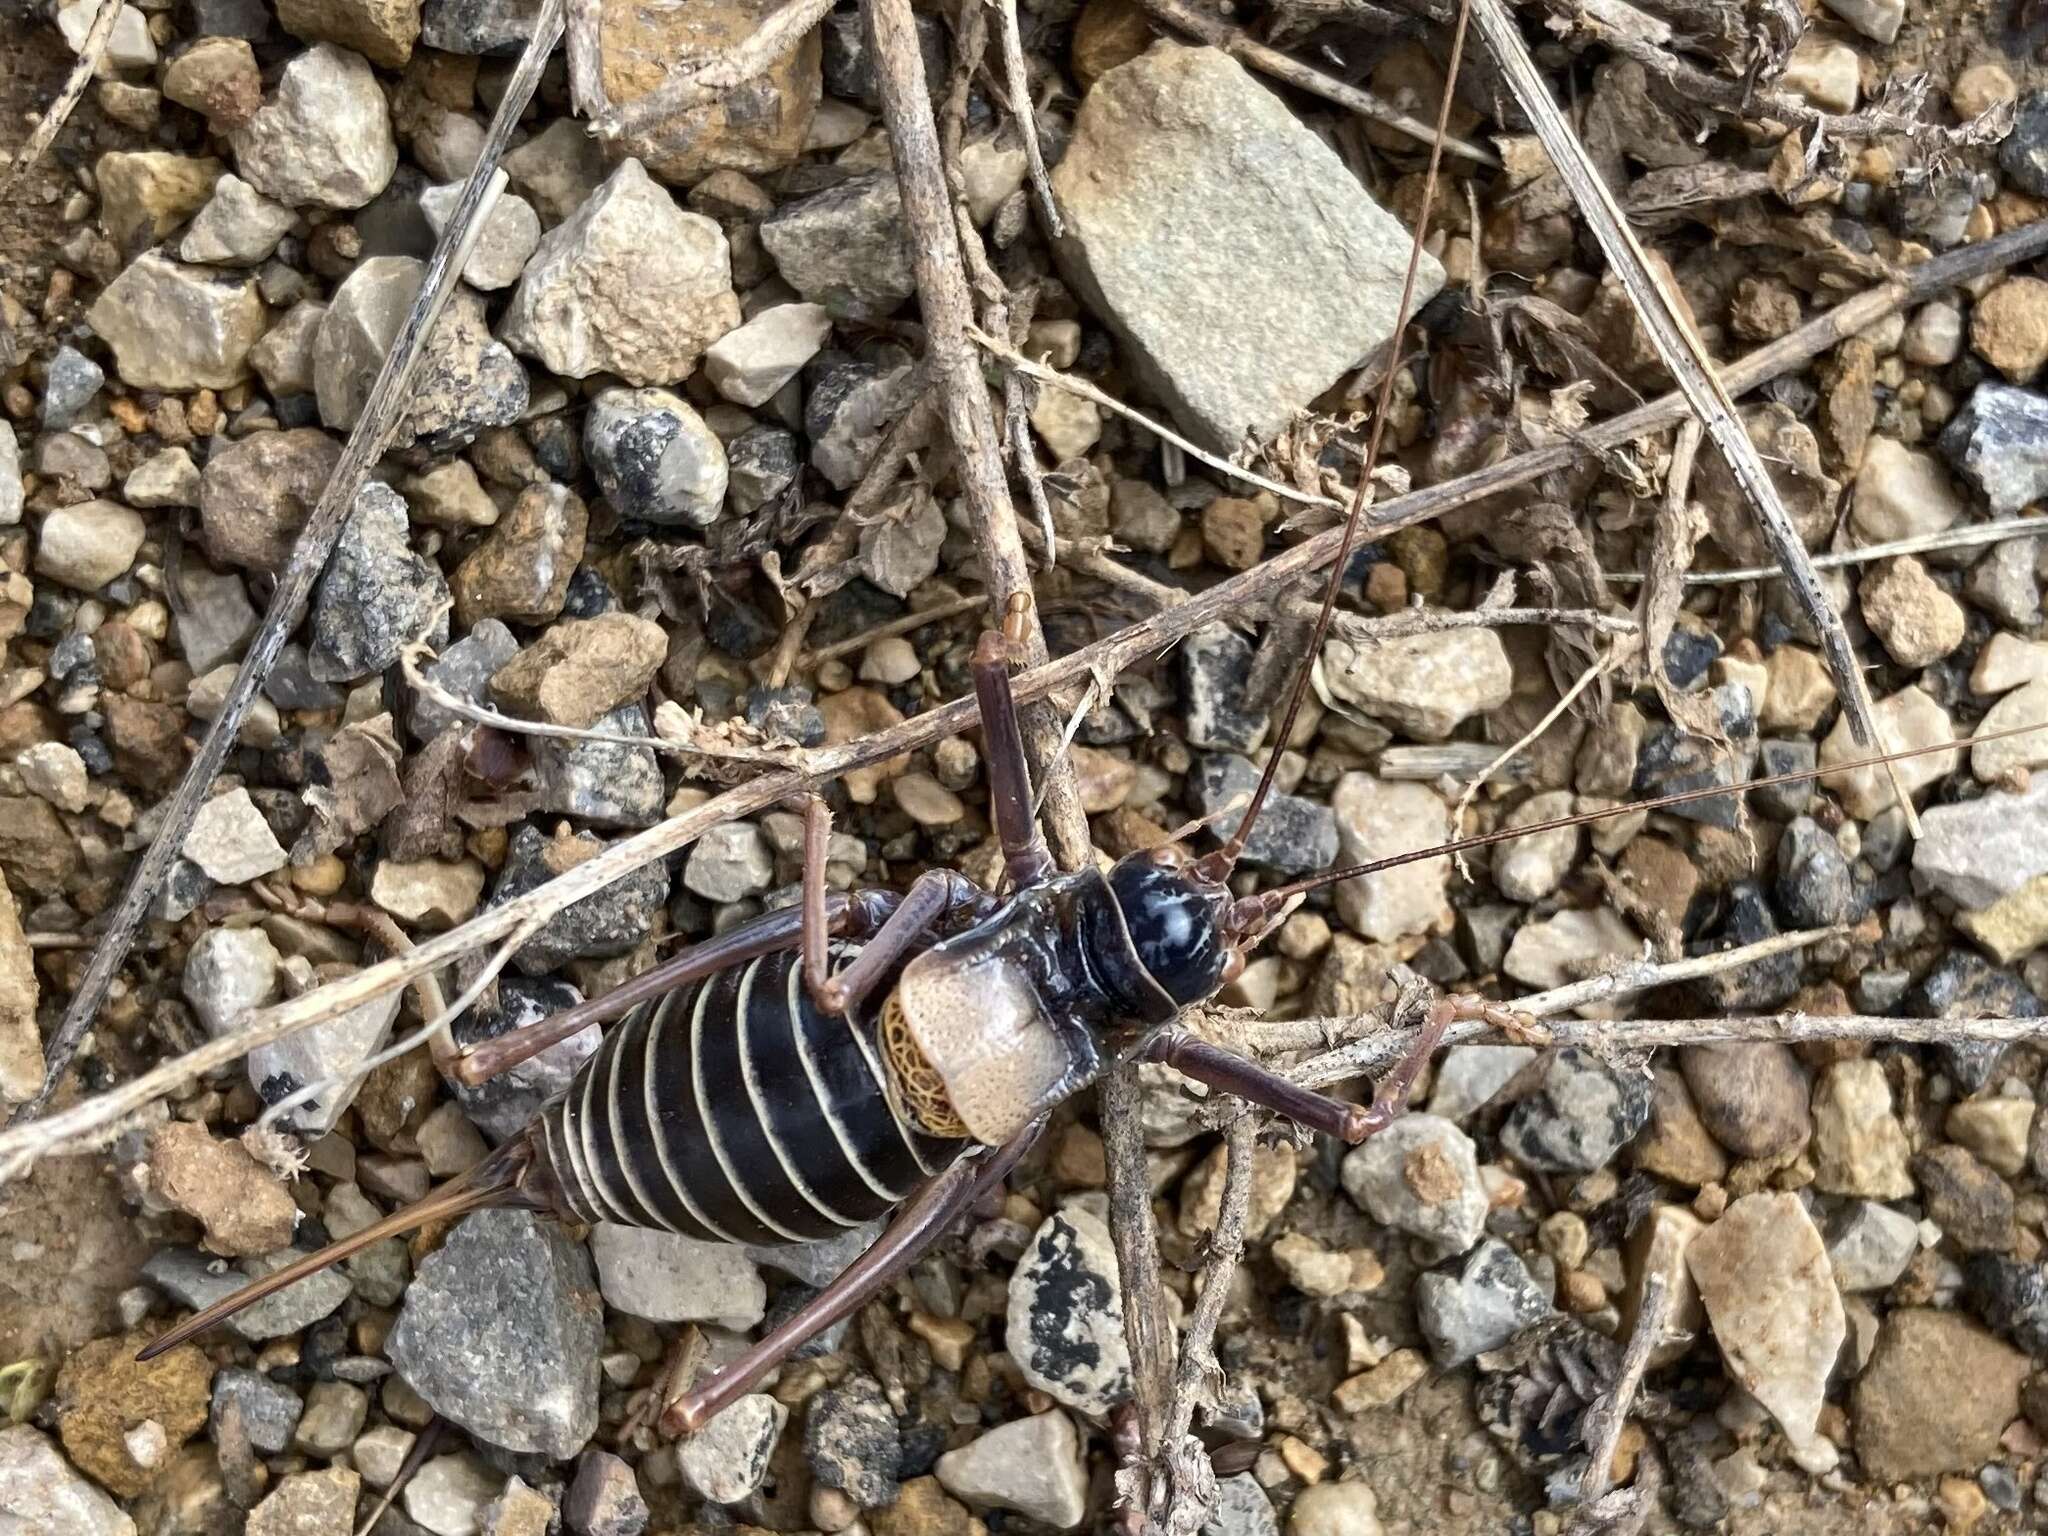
<point x="1963" y="536"/>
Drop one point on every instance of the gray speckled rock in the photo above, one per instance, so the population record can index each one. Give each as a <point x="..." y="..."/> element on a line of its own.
<point x="501" y="1332"/>
<point x="199" y="1280"/>
<point x="464" y="669"/>
<point x="501" y="1107"/>
<point x="178" y="327"/>
<point x="1293" y="835"/>
<point x="608" y="923"/>
<point x="42" y="1494"/>
<point x="728" y="1458"/>
<point x="1998" y="442"/>
<point x="1215" y="667"/>
<point x="654" y="458"/>
<point x="1421" y="1175"/>
<point x="1187" y="185"/>
<point x="1485" y="1304"/>
<point x="852" y="1442"/>
<point x="269" y="1412"/>
<point x="333" y="1048"/>
<point x="376" y="596"/>
<point x="845" y="247"/>
<point x="1066" y="1316"/>
<point x="667" y="1278"/>
<point x="324" y="138"/>
<point x="1977" y="851"/>
<point x="1582" y="1114"/>
<point x="604" y="783"/>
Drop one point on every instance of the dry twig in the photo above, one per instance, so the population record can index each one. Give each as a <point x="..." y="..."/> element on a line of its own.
<point x="386" y="406"/>
<point x="1963" y="536"/>
<point x="1604" y="1421"/>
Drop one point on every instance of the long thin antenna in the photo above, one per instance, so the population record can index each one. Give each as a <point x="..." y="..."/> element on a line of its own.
<point x="1608" y="813"/>
<point x="1219" y="864"/>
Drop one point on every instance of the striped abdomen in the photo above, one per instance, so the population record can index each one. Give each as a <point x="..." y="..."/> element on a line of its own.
<point x="734" y="1110"/>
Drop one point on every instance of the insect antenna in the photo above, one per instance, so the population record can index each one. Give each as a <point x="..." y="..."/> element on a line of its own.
<point x="494" y="1181"/>
<point x="1217" y="865"/>
<point x="1253" y="908"/>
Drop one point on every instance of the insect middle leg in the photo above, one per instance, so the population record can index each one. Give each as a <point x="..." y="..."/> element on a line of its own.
<point x="1025" y="855"/>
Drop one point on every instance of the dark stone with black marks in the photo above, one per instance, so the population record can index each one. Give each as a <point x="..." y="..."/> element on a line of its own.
<point x="606" y="783"/>
<point x="2024" y="154"/>
<point x="786" y="714"/>
<point x="1998" y="442"/>
<point x="849" y="61"/>
<point x="761" y="464"/>
<point x="1816" y="887"/>
<point x="1761" y="983"/>
<point x="654" y="458"/>
<point x="269" y="1412"/>
<point x="1215" y="668"/>
<point x="1964" y="985"/>
<point x="589" y="596"/>
<point x="1490" y="1300"/>
<point x="1688" y="652"/>
<point x="1065" y="1326"/>
<point x="606" y="923"/>
<point x="290" y="683"/>
<point x="1582" y="1113"/>
<point x="1292" y="836"/>
<point x="478" y="27"/>
<point x="2011" y="1297"/>
<point x="1673" y="760"/>
<point x="376" y="596"/>
<point x="853" y="1443"/>
<point x="1782" y="802"/>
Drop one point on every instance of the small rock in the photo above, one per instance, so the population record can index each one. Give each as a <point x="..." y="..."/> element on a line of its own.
<point x="728" y="1458"/>
<point x="730" y="862"/>
<point x="501" y="1331"/>
<point x="1181" y="153"/>
<point x="430" y="894"/>
<point x="2005" y="585"/>
<point x="1241" y="1508"/>
<point x="1963" y="985"/>
<point x="196" y="1279"/>
<point x="2009" y="327"/>
<point x="1901" y="493"/>
<point x="308" y="1504"/>
<point x="449" y="1494"/>
<point x="382" y="31"/>
<point x="1334" y="1509"/>
<point x="1827" y="74"/>
<point x="1859" y="1147"/>
<point x="1753" y="1097"/>
<point x="238" y="227"/>
<point x="215" y="618"/>
<point x="1997" y="1130"/>
<point x="1933" y="338"/>
<point x="603" y="1500"/>
<point x="1530" y="868"/>
<point x="324" y="138"/>
<point x="501" y="1107"/>
<point x="1468" y="1076"/>
<point x="1031" y="1465"/>
<point x="227" y="971"/>
<point x="610" y="922"/>
<point x="1485" y="1305"/>
<point x="748" y="365"/>
<point x="103" y="1393"/>
<point x="1583" y="1111"/>
<point x="1998" y="442"/>
<point x="334" y="1416"/>
<point x="1878" y="20"/>
<point x="1421" y="1176"/>
<point x="1066" y="1328"/>
<point x="243" y="1207"/>
<point x="1976" y="852"/>
<point x="1423" y="685"/>
<point x="848" y="408"/>
<point x="1994" y="762"/>
<point x="464" y="670"/>
<point x="1910" y="718"/>
<point x="1376" y="819"/>
<point x="231" y="842"/>
<point x="376" y="596"/>
<point x="1971" y="1204"/>
<point x="900" y="554"/>
<point x="654" y="458"/>
<point x="1870" y="1245"/>
<point x="844" y="247"/>
<point x="2010" y="1296"/>
<point x="761" y="465"/>
<point x="1293" y="835"/>
<point x="1070" y="425"/>
<point x="217" y="77"/>
<point x="146" y="194"/>
<point x="2024" y="154"/>
<point x="332" y="1051"/>
<point x="1573" y="945"/>
<point x="521" y="570"/>
<point x="667" y="1278"/>
<point x="519" y="1511"/>
<point x="1215" y="670"/>
<point x="582" y="669"/>
<point x="41" y="1491"/>
<point x="88" y="544"/>
<point x="606" y="783"/>
<point x="1910" y="612"/>
<point x="255" y="495"/>
<point x="1763" y="1274"/>
<point x="510" y="235"/>
<point x="283" y="359"/>
<point x="268" y="1412"/>
<point x="852" y="1441"/>
<point x="69" y="386"/>
<point x="628" y="284"/>
<point x="1816" y="887"/>
<point x="1911" y="1421"/>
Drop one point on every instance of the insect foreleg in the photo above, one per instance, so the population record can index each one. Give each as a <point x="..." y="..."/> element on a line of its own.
<point x="933" y="897"/>
<point x="1240" y="1075"/>
<point x="920" y="1223"/>
<point x="1025" y="854"/>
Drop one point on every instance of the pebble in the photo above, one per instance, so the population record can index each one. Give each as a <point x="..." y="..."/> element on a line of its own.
<point x="1215" y="669"/>
<point x="1423" y="685"/>
<point x="1901" y="493"/>
<point x="1859" y="1148"/>
<point x="1069" y="426"/>
<point x="330" y="1051"/>
<point x="605" y="783"/>
<point x="269" y="1412"/>
<point x="890" y="661"/>
<point x="1800" y="690"/>
<point x="1031" y="1465"/>
<point x="749" y="364"/>
<point x="376" y="596"/>
<point x="510" y="235"/>
<point x="1997" y="1130"/>
<point x="852" y="1441"/>
<point x="580" y="670"/>
<point x="429" y="894"/>
<point x="1998" y="442"/>
<point x="1421" y="1176"/>
<point x="1816" y="887"/>
<point x="1489" y="1301"/>
<point x="519" y="1511"/>
<point x="42" y="1491"/>
<point x="214" y="620"/>
<point x="283" y="359"/>
<point x="308" y="1504"/>
<point x="238" y="227"/>
<point x="1828" y="74"/>
<point x="1530" y="868"/>
<point x="231" y="842"/>
<point x="628" y="284"/>
<point x="227" y="971"/>
<point x="1753" y="1098"/>
<point x="465" y="670"/>
<point x="240" y="1203"/>
<point x="500" y="1333"/>
<point x="730" y="862"/>
<point x="1870" y="1245"/>
<point x="848" y="406"/>
<point x="1378" y="818"/>
<point x="1582" y="1112"/>
<point x="1964" y="985"/>
<point x="521" y="570"/>
<point x="1241" y="1507"/>
<point x="146" y="194"/>
<point x="613" y="921"/>
<point x="196" y="1280"/>
<point x="603" y="1499"/>
<point x="655" y="459"/>
<point x="255" y="495"/>
<point x="2005" y="584"/>
<point x="1763" y="1275"/>
<point x="762" y="463"/>
<point x="1911" y="613"/>
<point x="1878" y="20"/>
<point x="502" y="1106"/>
<point x="1293" y="835"/>
<point x="2011" y="1296"/>
<point x="2024" y="154"/>
<point x="1976" y="852"/>
<point x="899" y="555"/>
<point x="1971" y="1204"/>
<point x="217" y="77"/>
<point x="844" y="247"/>
<point x="667" y="1278"/>
<point x="103" y="1395"/>
<point x="1995" y="762"/>
<point x="1176" y="119"/>
<point x="68" y="387"/>
<point x="728" y="1459"/>
<point x="334" y="1416"/>
<point x="324" y="138"/>
<point x="88" y="544"/>
<point x="1909" y="718"/>
<point x="1569" y="946"/>
<point x="10" y="480"/>
<point x="1065" y="1323"/>
<point x="2009" y="327"/>
<point x="449" y="1494"/>
<point x="1911" y="1421"/>
<point x="1468" y="1076"/>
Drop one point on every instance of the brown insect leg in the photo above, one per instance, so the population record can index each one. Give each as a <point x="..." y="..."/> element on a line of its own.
<point x="1241" y="1076"/>
<point x="1390" y="1094"/>
<point x="1025" y="854"/>
<point x="933" y="897"/>
<point x="917" y="1226"/>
